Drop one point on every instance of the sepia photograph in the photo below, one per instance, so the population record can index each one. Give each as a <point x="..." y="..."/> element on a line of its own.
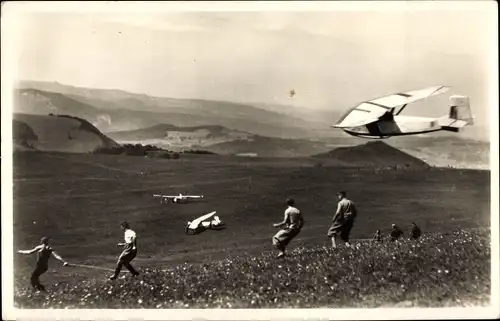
<point x="250" y="160"/>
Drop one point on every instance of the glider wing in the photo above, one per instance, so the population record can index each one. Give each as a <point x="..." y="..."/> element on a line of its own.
<point x="371" y="111"/>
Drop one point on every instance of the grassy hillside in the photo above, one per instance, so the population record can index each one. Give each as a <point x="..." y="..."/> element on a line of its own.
<point x="70" y="196"/>
<point x="57" y="133"/>
<point x="439" y="270"/>
<point x="79" y="201"/>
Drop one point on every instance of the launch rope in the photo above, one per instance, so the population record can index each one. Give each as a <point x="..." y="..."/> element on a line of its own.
<point x="91" y="267"/>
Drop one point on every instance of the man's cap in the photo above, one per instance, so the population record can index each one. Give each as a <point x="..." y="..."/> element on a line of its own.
<point x="44" y="240"/>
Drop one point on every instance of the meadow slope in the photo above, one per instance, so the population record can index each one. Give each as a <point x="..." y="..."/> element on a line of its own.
<point x="439" y="270"/>
<point x="74" y="198"/>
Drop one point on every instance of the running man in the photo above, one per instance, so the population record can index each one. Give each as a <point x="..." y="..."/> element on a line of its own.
<point x="292" y="224"/>
<point x="343" y="220"/>
<point x="42" y="263"/>
<point x="129" y="252"/>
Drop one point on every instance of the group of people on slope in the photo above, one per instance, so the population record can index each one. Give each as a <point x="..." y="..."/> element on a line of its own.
<point x="343" y="222"/>
<point x="396" y="233"/>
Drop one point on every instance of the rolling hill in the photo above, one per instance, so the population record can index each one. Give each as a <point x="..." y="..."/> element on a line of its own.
<point x="57" y="134"/>
<point x="128" y="111"/>
<point x="374" y="154"/>
<point x="220" y="140"/>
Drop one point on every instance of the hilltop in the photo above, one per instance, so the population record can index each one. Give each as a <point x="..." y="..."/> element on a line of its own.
<point x="180" y="138"/>
<point x="374" y="154"/>
<point x="57" y="134"/>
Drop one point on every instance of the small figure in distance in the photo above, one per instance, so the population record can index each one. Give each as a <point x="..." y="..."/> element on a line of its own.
<point x="292" y="223"/>
<point x="377" y="237"/>
<point x="343" y="220"/>
<point x="42" y="264"/>
<point x="396" y="233"/>
<point x="415" y="231"/>
<point x="129" y="251"/>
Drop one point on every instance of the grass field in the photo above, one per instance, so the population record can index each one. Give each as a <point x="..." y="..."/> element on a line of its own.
<point x="79" y="202"/>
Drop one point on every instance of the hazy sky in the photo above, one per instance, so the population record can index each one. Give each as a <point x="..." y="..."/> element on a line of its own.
<point x="331" y="59"/>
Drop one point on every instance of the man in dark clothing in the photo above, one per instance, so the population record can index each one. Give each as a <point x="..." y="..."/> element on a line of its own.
<point x="42" y="264"/>
<point x="377" y="237"/>
<point x="396" y="233"/>
<point x="343" y="220"/>
<point x="129" y="251"/>
<point x="415" y="231"/>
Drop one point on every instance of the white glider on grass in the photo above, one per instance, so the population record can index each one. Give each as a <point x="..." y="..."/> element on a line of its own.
<point x="178" y="199"/>
<point x="205" y="222"/>
<point x="380" y="117"/>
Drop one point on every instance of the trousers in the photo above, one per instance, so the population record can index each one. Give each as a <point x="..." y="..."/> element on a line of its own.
<point x="124" y="260"/>
<point x="35" y="277"/>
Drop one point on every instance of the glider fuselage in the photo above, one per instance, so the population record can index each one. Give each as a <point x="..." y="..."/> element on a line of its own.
<point x="397" y="126"/>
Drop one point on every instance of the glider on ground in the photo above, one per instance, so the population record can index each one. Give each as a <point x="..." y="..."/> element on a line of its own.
<point x="204" y="222"/>
<point x="380" y="117"/>
<point x="179" y="199"/>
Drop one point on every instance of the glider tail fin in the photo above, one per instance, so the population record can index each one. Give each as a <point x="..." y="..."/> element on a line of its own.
<point x="459" y="116"/>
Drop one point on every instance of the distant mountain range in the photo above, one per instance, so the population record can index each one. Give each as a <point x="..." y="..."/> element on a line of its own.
<point x="226" y="127"/>
<point x="115" y="110"/>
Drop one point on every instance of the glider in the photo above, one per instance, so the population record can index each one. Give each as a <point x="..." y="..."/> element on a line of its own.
<point x="179" y="199"/>
<point x="380" y="117"/>
<point x="205" y="222"/>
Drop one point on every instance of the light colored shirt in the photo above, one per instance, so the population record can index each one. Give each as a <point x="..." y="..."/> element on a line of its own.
<point x="346" y="208"/>
<point x="293" y="217"/>
<point x="130" y="237"/>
